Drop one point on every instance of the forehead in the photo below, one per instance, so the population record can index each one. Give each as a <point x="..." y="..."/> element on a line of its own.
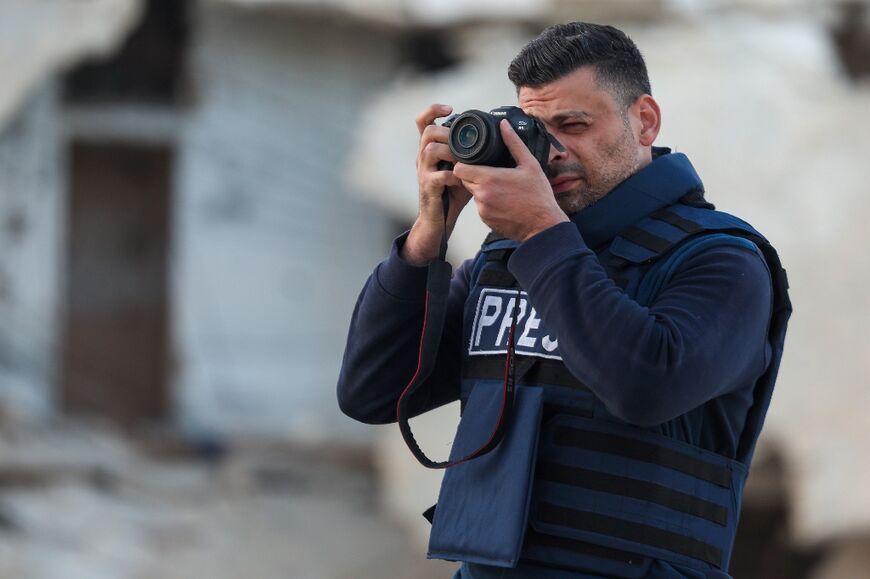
<point x="577" y="91"/>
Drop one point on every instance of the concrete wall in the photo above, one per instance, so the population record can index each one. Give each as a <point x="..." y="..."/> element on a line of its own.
<point x="31" y="236"/>
<point x="270" y="248"/>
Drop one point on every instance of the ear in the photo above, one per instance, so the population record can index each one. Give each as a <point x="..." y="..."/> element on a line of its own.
<point x="649" y="116"/>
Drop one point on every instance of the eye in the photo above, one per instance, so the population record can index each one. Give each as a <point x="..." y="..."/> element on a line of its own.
<point x="574" y="126"/>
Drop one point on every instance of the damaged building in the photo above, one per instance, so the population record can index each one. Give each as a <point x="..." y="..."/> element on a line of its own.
<point x="192" y="194"/>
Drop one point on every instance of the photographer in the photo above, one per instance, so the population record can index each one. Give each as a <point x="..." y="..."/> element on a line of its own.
<point x="647" y="329"/>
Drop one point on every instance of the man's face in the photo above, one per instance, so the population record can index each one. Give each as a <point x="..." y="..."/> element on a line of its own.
<point x="602" y="148"/>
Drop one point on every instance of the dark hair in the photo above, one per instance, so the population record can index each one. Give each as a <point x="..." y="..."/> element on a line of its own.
<point x="563" y="48"/>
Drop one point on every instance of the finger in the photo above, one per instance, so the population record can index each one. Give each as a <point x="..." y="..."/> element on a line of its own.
<point x="451" y="180"/>
<point x="515" y="145"/>
<point x="480" y="173"/>
<point x="434" y="153"/>
<point x="434" y="133"/>
<point x="468" y="173"/>
<point x="438" y="180"/>
<point x="432" y="112"/>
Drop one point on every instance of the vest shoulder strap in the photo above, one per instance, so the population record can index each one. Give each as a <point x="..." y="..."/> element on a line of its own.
<point x="663" y="230"/>
<point x="660" y="274"/>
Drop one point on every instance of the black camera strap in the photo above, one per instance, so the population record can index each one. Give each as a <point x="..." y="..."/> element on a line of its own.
<point x="434" y="313"/>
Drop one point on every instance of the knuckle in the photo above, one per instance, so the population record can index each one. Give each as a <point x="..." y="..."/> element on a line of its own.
<point x="436" y="132"/>
<point x="429" y="156"/>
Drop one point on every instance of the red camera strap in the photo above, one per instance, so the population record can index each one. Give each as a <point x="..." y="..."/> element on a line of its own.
<point x="435" y="310"/>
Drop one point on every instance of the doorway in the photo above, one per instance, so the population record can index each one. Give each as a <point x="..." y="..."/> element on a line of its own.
<point x="115" y="336"/>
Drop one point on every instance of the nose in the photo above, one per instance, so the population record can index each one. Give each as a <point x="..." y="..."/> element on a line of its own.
<point x="556" y="155"/>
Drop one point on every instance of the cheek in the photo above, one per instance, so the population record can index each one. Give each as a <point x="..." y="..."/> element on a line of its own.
<point x="609" y="150"/>
<point x="589" y="149"/>
<point x="578" y="149"/>
<point x="591" y="155"/>
<point x="599" y="152"/>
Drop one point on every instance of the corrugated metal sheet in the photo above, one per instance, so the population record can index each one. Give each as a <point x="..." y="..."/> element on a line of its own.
<point x="272" y="248"/>
<point x="31" y="233"/>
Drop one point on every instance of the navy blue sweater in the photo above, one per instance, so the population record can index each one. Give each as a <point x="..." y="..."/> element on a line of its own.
<point x="701" y="343"/>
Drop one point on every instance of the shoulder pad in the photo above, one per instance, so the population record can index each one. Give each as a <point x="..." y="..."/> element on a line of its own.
<point x="662" y="230"/>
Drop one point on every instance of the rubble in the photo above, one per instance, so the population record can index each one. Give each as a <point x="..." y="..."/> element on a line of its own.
<point x="82" y="501"/>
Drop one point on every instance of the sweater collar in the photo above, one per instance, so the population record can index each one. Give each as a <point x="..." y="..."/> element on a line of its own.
<point x="663" y="182"/>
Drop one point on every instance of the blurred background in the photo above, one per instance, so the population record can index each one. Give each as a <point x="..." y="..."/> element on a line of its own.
<point x="192" y="193"/>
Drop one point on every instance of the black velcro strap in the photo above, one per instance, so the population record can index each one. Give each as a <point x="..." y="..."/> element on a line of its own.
<point x="645" y="239"/>
<point x="645" y="452"/>
<point x="678" y="221"/>
<point x="497" y="278"/>
<point x="544" y="371"/>
<point x="633" y="488"/>
<point x="629" y="530"/>
<point x="492" y="236"/>
<point x="536" y="539"/>
<point x="429" y="514"/>
<point x="695" y="198"/>
<point x="498" y="254"/>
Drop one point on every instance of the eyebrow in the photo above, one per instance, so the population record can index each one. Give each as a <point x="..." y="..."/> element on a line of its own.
<point x="570" y="115"/>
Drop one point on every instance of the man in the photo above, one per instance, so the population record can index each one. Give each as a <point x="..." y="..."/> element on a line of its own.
<point x="654" y="323"/>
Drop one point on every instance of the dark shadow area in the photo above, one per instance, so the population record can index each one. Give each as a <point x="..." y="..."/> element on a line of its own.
<point x="764" y="548"/>
<point x="852" y="39"/>
<point x="427" y="51"/>
<point x="149" y="67"/>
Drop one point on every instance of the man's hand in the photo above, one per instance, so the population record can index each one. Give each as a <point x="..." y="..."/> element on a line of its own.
<point x="516" y="202"/>
<point x="424" y="240"/>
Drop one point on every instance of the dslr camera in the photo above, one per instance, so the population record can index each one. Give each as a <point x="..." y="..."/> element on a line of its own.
<point x="475" y="138"/>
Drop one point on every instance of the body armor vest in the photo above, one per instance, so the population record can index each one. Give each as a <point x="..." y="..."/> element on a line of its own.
<point x="570" y="484"/>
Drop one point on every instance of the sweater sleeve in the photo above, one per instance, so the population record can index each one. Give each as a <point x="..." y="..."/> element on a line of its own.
<point x="383" y="342"/>
<point x="704" y="336"/>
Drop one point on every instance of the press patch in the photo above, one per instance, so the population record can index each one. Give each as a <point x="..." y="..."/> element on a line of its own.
<point x="492" y="324"/>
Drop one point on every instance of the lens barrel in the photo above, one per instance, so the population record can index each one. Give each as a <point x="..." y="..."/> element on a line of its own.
<point x="475" y="139"/>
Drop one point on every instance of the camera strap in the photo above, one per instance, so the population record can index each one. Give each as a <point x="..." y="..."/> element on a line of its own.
<point x="434" y="313"/>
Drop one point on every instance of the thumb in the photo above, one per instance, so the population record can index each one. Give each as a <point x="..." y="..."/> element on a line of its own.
<point x="515" y="145"/>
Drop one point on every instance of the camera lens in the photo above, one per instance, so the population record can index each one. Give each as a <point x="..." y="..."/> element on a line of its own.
<point x="474" y="139"/>
<point x="467" y="136"/>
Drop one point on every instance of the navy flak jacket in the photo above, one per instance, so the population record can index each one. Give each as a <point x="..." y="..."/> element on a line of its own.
<point x="687" y="371"/>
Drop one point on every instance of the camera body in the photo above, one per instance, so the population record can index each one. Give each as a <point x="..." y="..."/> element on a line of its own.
<point x="475" y="137"/>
